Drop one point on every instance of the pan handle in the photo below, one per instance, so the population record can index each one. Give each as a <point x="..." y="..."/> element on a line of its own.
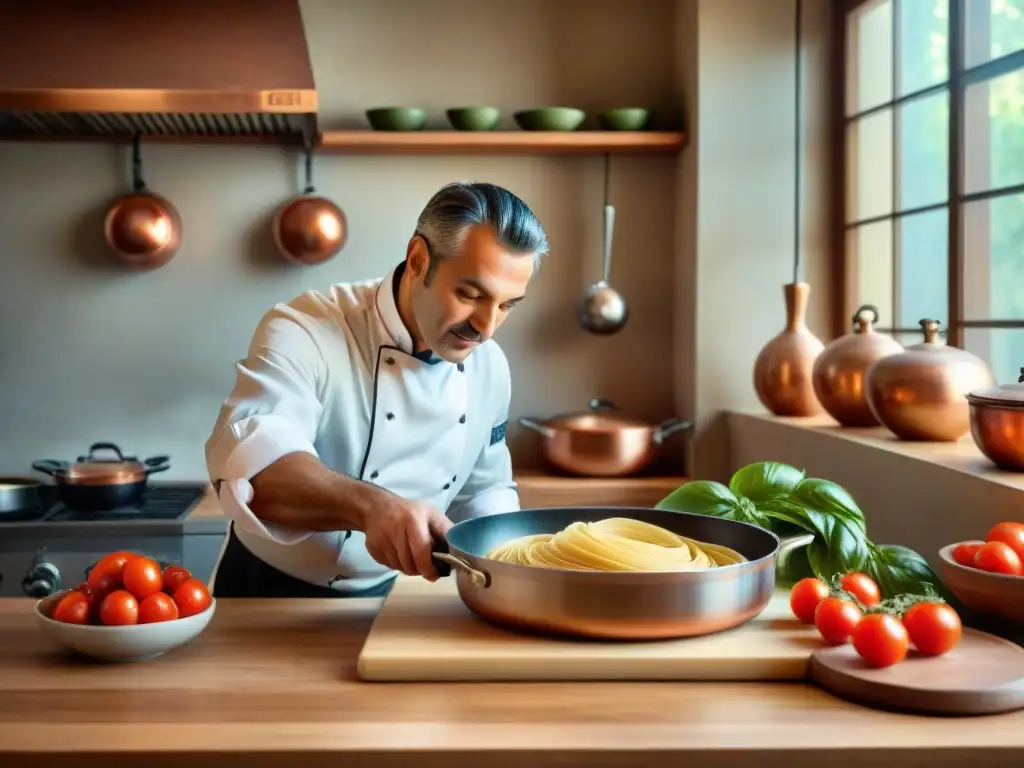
<point x="50" y="467"/>
<point x="669" y="427"/>
<point x="444" y="561"/>
<point x="157" y="464"/>
<point x="536" y="426"/>
<point x="790" y="543"/>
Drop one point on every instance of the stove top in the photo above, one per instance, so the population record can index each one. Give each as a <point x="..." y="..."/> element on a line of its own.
<point x="162" y="501"/>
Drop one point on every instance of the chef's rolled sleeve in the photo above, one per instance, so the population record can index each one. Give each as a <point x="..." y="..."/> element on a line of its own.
<point x="273" y="410"/>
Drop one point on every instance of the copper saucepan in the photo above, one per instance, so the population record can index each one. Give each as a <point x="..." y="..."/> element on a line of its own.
<point x="93" y="483"/>
<point x="600" y="442"/>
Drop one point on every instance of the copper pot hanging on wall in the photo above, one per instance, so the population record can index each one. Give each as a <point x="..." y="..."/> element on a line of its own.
<point x="309" y="229"/>
<point x="143" y="229"/>
<point x="921" y="393"/>
<point x="840" y="372"/>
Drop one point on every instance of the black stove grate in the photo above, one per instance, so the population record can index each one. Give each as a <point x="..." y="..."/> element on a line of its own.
<point x="161" y="502"/>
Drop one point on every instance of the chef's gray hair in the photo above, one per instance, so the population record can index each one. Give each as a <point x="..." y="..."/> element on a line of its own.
<point x="456" y="207"/>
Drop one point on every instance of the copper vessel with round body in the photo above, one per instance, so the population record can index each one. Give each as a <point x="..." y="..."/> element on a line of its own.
<point x="841" y="370"/>
<point x="997" y="423"/>
<point x="143" y="230"/>
<point x="784" y="367"/>
<point x="921" y="393"/>
<point x="310" y="230"/>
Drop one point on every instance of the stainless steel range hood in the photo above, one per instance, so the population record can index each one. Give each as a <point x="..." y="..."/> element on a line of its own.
<point x="232" y="69"/>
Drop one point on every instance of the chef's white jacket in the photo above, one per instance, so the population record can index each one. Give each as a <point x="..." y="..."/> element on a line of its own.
<point x="335" y="376"/>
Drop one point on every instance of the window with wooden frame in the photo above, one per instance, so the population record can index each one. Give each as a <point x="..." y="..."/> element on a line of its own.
<point x="930" y="211"/>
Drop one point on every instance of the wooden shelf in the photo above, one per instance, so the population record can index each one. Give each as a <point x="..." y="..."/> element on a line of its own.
<point x="570" y="143"/>
<point x="541" y="490"/>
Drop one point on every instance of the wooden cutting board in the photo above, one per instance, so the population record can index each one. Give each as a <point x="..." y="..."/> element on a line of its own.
<point x="424" y="632"/>
<point x="982" y="675"/>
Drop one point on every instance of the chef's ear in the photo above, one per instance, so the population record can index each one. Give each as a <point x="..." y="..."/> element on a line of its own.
<point x="417" y="257"/>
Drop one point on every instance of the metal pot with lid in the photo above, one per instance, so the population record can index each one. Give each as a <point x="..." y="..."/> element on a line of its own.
<point x="94" y="483"/>
<point x="921" y="393"/>
<point x="997" y="423"/>
<point x="600" y="442"/>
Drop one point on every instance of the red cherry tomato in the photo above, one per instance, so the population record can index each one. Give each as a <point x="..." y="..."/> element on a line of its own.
<point x="1011" y="534"/>
<point x="998" y="557"/>
<point x="965" y="551"/>
<point x="805" y="596"/>
<point x="174" y="577"/>
<point x="863" y="587"/>
<point x="142" y="577"/>
<point x="73" y="608"/>
<point x="119" y="607"/>
<point x="107" y="571"/>
<point x="934" y="628"/>
<point x="836" y="619"/>
<point x="881" y="639"/>
<point x="192" y="597"/>
<point x="157" y="607"/>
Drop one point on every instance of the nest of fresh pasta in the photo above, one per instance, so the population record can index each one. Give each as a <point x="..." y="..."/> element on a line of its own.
<point x="615" y="544"/>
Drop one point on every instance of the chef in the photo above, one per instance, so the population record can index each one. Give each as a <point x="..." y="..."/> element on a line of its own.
<point x="364" y="421"/>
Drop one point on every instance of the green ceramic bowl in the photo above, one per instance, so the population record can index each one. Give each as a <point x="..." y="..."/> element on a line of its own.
<point x="550" y="119"/>
<point x="626" y="119"/>
<point x="397" y="118"/>
<point x="473" y="118"/>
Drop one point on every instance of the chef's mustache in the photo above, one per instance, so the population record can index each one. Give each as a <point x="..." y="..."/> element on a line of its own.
<point x="468" y="332"/>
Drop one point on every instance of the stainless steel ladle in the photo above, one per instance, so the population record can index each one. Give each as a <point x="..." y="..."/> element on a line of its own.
<point x="603" y="310"/>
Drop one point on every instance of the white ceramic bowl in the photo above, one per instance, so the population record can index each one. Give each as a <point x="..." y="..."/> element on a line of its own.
<point x="993" y="595"/>
<point x="135" y="642"/>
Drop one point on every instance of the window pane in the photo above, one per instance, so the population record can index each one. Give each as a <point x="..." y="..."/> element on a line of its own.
<point x="994" y="133"/>
<point x="869" y="56"/>
<point x="924" y="268"/>
<point x="992" y="28"/>
<point x="924" y="151"/>
<point x="869" y="166"/>
<point x="869" y="256"/>
<point x="924" y="38"/>
<point x="1001" y="348"/>
<point x="993" y="232"/>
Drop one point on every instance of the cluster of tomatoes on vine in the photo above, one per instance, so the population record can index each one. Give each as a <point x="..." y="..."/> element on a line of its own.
<point x="851" y="608"/>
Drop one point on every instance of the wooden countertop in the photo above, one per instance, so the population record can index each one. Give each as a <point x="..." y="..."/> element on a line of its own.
<point x="273" y="682"/>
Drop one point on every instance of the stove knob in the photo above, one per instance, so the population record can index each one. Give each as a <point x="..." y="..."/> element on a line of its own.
<point x="42" y="579"/>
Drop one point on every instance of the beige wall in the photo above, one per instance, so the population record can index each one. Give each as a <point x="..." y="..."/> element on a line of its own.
<point x="92" y="353"/>
<point x="740" y="53"/>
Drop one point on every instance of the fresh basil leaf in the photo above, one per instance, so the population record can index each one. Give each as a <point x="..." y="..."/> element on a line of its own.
<point x="765" y="480"/>
<point x="707" y="497"/>
<point x="839" y="545"/>
<point x="830" y="499"/>
<point x="900" y="570"/>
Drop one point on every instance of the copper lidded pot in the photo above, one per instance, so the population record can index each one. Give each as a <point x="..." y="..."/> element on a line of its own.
<point x="840" y="371"/>
<point x="997" y="423"/>
<point x="921" y="393"/>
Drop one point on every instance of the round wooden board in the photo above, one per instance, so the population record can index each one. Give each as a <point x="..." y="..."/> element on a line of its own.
<point x="984" y="674"/>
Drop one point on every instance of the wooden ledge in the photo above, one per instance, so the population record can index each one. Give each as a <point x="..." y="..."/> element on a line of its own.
<point x="962" y="456"/>
<point x="511" y="142"/>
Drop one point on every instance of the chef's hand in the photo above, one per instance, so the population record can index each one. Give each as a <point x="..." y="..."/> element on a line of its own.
<point x="400" y="535"/>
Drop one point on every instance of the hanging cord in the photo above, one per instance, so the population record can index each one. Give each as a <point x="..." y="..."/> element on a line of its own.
<point x="137" y="180"/>
<point x="310" y="189"/>
<point x="798" y="196"/>
<point x="607" y="186"/>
